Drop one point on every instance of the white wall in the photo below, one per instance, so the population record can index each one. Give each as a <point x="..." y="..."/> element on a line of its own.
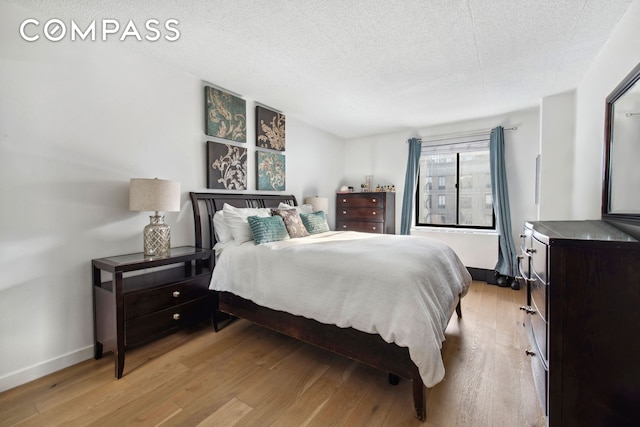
<point x="77" y="121"/>
<point x="385" y="157"/>
<point x="616" y="59"/>
<point x="557" y="135"/>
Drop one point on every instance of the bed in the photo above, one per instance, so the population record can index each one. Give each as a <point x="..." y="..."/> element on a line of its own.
<point x="376" y="335"/>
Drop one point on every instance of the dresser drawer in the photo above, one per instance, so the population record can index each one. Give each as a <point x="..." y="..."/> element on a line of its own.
<point x="539" y="292"/>
<point x="539" y="259"/>
<point x="371" y="214"/>
<point x="364" y="226"/>
<point x="539" y="330"/>
<point x="541" y="381"/>
<point x="143" y="302"/>
<point x="360" y="201"/>
<point x="151" y="326"/>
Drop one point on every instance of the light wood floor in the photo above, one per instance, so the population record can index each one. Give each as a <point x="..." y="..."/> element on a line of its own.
<point x="246" y="375"/>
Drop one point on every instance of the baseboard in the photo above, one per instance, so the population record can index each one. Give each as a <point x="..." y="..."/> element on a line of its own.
<point x="25" y="375"/>
<point x="482" y="275"/>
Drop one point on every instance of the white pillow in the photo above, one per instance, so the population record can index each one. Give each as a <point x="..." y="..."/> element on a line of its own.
<point x="221" y="229"/>
<point x="300" y="208"/>
<point x="236" y="220"/>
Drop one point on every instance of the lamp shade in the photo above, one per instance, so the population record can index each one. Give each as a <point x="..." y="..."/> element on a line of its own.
<point x="158" y="195"/>
<point x="318" y="203"/>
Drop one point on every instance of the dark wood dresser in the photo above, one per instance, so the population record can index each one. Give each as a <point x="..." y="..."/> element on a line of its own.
<point x="583" y="322"/>
<point x="371" y="212"/>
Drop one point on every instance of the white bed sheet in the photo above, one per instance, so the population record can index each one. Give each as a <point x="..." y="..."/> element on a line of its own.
<point x="400" y="287"/>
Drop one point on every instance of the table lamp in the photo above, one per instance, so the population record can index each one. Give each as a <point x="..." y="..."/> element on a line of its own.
<point x="318" y="203"/>
<point x="159" y="195"/>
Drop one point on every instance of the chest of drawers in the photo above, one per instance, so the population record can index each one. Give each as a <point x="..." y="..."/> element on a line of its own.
<point x="583" y="290"/>
<point x="371" y="212"/>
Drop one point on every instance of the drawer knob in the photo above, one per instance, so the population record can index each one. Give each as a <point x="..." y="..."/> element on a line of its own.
<point x="176" y="316"/>
<point x="344" y="226"/>
<point x="344" y="200"/>
<point x="373" y="200"/>
<point x="176" y="294"/>
<point x="530" y="251"/>
<point x="528" y="309"/>
<point x="530" y="353"/>
<point x="373" y="228"/>
<point x="373" y="213"/>
<point x="344" y="212"/>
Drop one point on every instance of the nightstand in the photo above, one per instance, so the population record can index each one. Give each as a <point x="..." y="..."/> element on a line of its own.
<point x="144" y="298"/>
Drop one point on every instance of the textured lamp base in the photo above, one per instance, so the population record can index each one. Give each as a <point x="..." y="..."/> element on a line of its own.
<point x="157" y="237"/>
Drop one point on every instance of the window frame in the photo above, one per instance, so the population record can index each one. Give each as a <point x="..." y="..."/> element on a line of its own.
<point x="457" y="225"/>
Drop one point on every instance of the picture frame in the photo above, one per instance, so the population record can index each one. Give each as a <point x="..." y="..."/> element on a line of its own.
<point x="226" y="166"/>
<point x="270" y="171"/>
<point x="270" y="129"/>
<point x="225" y="115"/>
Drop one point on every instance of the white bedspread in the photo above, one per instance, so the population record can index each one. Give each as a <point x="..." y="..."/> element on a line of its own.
<point x="400" y="287"/>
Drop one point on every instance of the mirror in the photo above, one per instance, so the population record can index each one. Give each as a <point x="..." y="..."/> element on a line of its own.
<point x="621" y="186"/>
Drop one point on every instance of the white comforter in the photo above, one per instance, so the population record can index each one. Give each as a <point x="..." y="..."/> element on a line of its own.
<point x="402" y="288"/>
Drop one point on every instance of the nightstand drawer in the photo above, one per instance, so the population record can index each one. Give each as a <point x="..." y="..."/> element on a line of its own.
<point x="372" y="214"/>
<point x="146" y="328"/>
<point x="360" y="201"/>
<point x="365" y="226"/>
<point x="140" y="303"/>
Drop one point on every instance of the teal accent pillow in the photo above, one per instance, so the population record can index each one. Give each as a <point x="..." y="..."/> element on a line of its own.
<point x="267" y="229"/>
<point x="315" y="222"/>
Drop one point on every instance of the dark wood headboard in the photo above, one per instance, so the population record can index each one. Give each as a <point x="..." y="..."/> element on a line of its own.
<point x="213" y="202"/>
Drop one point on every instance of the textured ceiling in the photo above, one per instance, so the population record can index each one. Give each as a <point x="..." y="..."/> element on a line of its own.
<point x="357" y="68"/>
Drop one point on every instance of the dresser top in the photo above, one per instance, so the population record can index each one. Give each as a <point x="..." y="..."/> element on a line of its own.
<point x="597" y="230"/>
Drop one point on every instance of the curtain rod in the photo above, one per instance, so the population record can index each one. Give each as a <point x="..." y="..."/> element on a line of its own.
<point x="446" y="136"/>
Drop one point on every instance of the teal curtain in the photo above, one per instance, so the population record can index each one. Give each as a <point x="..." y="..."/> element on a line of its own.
<point x="410" y="180"/>
<point x="507" y="264"/>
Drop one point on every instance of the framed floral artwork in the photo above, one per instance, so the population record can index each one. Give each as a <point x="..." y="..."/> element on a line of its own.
<point x="270" y="129"/>
<point x="270" y="171"/>
<point x="227" y="166"/>
<point x="226" y="115"/>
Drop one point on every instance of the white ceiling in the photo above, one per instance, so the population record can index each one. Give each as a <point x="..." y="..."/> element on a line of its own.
<point x="357" y="67"/>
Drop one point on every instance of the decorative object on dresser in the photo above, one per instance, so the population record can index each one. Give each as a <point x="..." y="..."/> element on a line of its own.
<point x="226" y="115"/>
<point x="159" y="195"/>
<point x="270" y="129"/>
<point x="226" y="166"/>
<point x="583" y="290"/>
<point x="371" y="212"/>
<point x="132" y="309"/>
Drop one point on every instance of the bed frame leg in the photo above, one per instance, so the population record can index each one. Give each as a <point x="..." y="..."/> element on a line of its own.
<point x="459" y="310"/>
<point x="420" y="398"/>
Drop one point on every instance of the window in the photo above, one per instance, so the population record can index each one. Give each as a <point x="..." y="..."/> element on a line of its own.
<point x="461" y="168"/>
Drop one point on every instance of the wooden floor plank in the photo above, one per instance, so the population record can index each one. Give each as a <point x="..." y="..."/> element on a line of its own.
<point x="248" y="375"/>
